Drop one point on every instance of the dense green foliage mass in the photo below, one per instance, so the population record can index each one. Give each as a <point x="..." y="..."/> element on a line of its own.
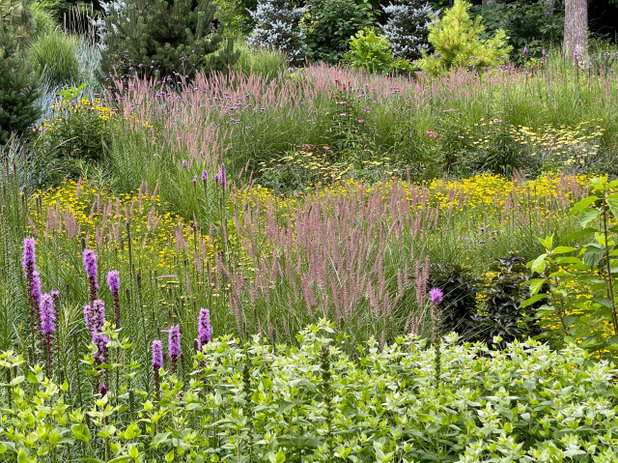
<point x="18" y="91"/>
<point x="163" y="38"/>
<point x="256" y="402"/>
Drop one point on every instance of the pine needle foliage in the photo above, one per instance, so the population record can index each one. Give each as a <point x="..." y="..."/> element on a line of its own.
<point x="163" y="38"/>
<point x="459" y="43"/>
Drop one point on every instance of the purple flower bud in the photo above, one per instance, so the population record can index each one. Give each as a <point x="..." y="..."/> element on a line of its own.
<point x="113" y="281"/>
<point x="47" y="315"/>
<point x="543" y="53"/>
<point x="436" y="296"/>
<point x="525" y="50"/>
<point x="204" y="330"/>
<point x="103" y="389"/>
<point x="204" y="175"/>
<point x="184" y="163"/>
<point x="217" y="178"/>
<point x="195" y="180"/>
<point x="157" y="355"/>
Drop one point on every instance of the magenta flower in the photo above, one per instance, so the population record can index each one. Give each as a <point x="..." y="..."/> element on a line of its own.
<point x="184" y="163"/>
<point x="360" y="121"/>
<point x="195" y="179"/>
<point x="436" y="296"/>
<point x="204" y="330"/>
<point x="204" y="175"/>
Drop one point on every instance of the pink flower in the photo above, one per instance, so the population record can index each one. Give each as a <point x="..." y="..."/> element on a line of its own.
<point x="360" y="121"/>
<point x="326" y="147"/>
<point x="342" y="114"/>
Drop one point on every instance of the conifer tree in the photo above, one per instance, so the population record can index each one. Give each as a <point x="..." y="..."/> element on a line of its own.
<point x="277" y="26"/>
<point x="162" y="37"/>
<point x="19" y="82"/>
<point x="406" y="27"/>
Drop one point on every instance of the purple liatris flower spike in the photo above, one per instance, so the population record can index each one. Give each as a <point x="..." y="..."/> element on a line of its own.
<point x="204" y="175"/>
<point x="94" y="316"/>
<point x="157" y="355"/>
<point x="47" y="315"/>
<point x="36" y="289"/>
<point x="184" y="163"/>
<point x="102" y="389"/>
<point x="90" y="264"/>
<point x="29" y="259"/>
<point x="204" y="330"/>
<point x="113" y="282"/>
<point x="436" y="296"/>
<point x="174" y="348"/>
<point x="100" y="341"/>
<point x="48" y="328"/>
<point x="157" y="364"/>
<point x="222" y="177"/>
<point x="217" y="178"/>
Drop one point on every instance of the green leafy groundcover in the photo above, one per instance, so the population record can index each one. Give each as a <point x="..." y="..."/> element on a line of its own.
<point x="256" y="402"/>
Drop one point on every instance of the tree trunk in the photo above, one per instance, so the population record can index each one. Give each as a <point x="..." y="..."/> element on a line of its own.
<point x="575" y="30"/>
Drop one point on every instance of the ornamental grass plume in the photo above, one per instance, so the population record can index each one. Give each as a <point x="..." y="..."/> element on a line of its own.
<point x="90" y="264"/>
<point x="174" y="347"/>
<point x="48" y="328"/>
<point x="157" y="364"/>
<point x="204" y="329"/>
<point x="113" y="282"/>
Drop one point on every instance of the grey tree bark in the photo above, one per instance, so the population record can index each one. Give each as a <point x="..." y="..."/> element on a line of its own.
<point x="575" y="44"/>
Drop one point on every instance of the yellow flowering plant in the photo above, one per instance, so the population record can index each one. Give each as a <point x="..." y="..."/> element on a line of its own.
<point x="79" y="128"/>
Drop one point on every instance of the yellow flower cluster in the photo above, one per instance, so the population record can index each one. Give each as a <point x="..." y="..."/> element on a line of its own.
<point x="559" y="144"/>
<point x="134" y="228"/>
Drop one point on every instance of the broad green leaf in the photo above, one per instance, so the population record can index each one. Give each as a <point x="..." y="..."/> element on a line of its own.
<point x="584" y="203"/>
<point x="588" y="216"/>
<point x="532" y="300"/>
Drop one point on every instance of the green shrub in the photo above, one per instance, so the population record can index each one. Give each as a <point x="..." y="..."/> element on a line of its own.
<point x="19" y="91"/>
<point x="164" y="37"/>
<point x="55" y="54"/>
<point x="252" y="402"/>
<point x="459" y="44"/>
<point x="370" y="52"/>
<point x="78" y="131"/>
<point x="329" y="25"/>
